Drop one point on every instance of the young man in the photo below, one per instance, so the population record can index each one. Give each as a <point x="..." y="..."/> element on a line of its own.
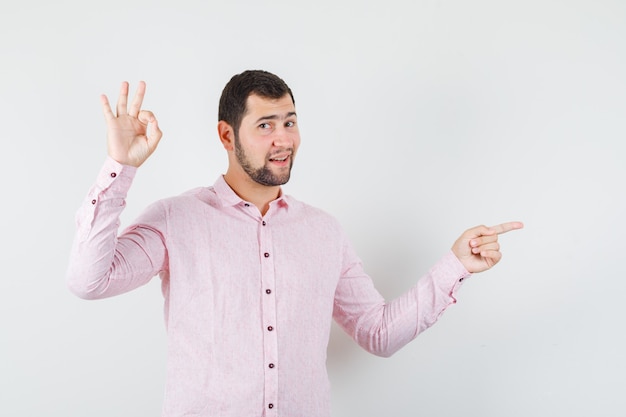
<point x="251" y="277"/>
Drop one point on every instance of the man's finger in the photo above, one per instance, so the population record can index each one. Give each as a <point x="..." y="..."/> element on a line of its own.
<point x="106" y="108"/>
<point x="507" y="227"/>
<point x="122" y="100"/>
<point x="135" y="105"/>
<point x="146" y="116"/>
<point x="155" y="134"/>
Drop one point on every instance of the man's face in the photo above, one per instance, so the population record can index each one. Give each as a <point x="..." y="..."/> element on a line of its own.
<point x="268" y="139"/>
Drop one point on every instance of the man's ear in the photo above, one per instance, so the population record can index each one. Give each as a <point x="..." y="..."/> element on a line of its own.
<point x="226" y="134"/>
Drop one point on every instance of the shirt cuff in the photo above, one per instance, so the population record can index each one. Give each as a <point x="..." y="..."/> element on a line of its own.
<point x="108" y="192"/>
<point x="115" y="177"/>
<point x="451" y="274"/>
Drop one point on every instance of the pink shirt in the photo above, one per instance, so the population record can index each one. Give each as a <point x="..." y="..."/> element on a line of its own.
<point x="248" y="298"/>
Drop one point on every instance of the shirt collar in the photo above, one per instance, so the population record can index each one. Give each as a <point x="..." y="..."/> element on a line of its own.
<point x="228" y="197"/>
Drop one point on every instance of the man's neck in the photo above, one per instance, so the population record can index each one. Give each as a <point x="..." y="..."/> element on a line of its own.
<point x="249" y="190"/>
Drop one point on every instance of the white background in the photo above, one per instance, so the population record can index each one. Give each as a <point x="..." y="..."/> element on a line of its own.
<point x="419" y="119"/>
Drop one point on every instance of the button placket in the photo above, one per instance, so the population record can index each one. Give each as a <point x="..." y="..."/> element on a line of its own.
<point x="268" y="305"/>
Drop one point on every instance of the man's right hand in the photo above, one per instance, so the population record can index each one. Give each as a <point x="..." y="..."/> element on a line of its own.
<point x="133" y="134"/>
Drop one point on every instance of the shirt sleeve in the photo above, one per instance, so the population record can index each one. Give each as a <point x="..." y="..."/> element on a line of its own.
<point x="101" y="263"/>
<point x="381" y="327"/>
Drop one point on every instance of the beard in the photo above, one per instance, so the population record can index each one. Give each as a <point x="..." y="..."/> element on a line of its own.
<point x="262" y="175"/>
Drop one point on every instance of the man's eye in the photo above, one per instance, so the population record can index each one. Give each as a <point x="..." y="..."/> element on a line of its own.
<point x="264" y="125"/>
<point x="290" y="124"/>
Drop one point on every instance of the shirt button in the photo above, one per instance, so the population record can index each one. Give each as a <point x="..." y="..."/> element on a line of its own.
<point x="271" y="365"/>
<point x="113" y="175"/>
<point x="268" y="291"/>
<point x="270" y="405"/>
<point x="263" y="223"/>
<point x="461" y="280"/>
<point x="247" y="205"/>
<point x="267" y="255"/>
<point x="270" y="328"/>
<point x="93" y="201"/>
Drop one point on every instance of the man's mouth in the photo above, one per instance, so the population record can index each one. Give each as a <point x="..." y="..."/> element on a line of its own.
<point x="280" y="158"/>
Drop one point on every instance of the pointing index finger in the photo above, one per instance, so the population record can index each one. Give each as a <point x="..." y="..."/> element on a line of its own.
<point x="507" y="227"/>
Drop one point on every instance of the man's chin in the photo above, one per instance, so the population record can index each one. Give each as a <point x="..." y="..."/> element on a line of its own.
<point x="271" y="181"/>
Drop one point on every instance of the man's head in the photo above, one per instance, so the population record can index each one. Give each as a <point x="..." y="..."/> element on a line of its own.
<point x="258" y="128"/>
<point x="233" y="102"/>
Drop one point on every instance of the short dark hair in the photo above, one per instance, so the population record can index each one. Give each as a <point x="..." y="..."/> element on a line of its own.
<point x="235" y="94"/>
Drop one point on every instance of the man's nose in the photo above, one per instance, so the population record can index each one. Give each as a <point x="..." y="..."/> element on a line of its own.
<point x="282" y="138"/>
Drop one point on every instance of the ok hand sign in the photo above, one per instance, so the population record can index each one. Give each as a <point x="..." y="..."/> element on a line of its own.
<point x="133" y="134"/>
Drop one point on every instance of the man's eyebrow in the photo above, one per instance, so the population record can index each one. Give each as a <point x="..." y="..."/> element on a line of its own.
<point x="276" y="116"/>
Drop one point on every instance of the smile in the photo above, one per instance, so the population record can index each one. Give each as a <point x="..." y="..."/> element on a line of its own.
<point x="281" y="158"/>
